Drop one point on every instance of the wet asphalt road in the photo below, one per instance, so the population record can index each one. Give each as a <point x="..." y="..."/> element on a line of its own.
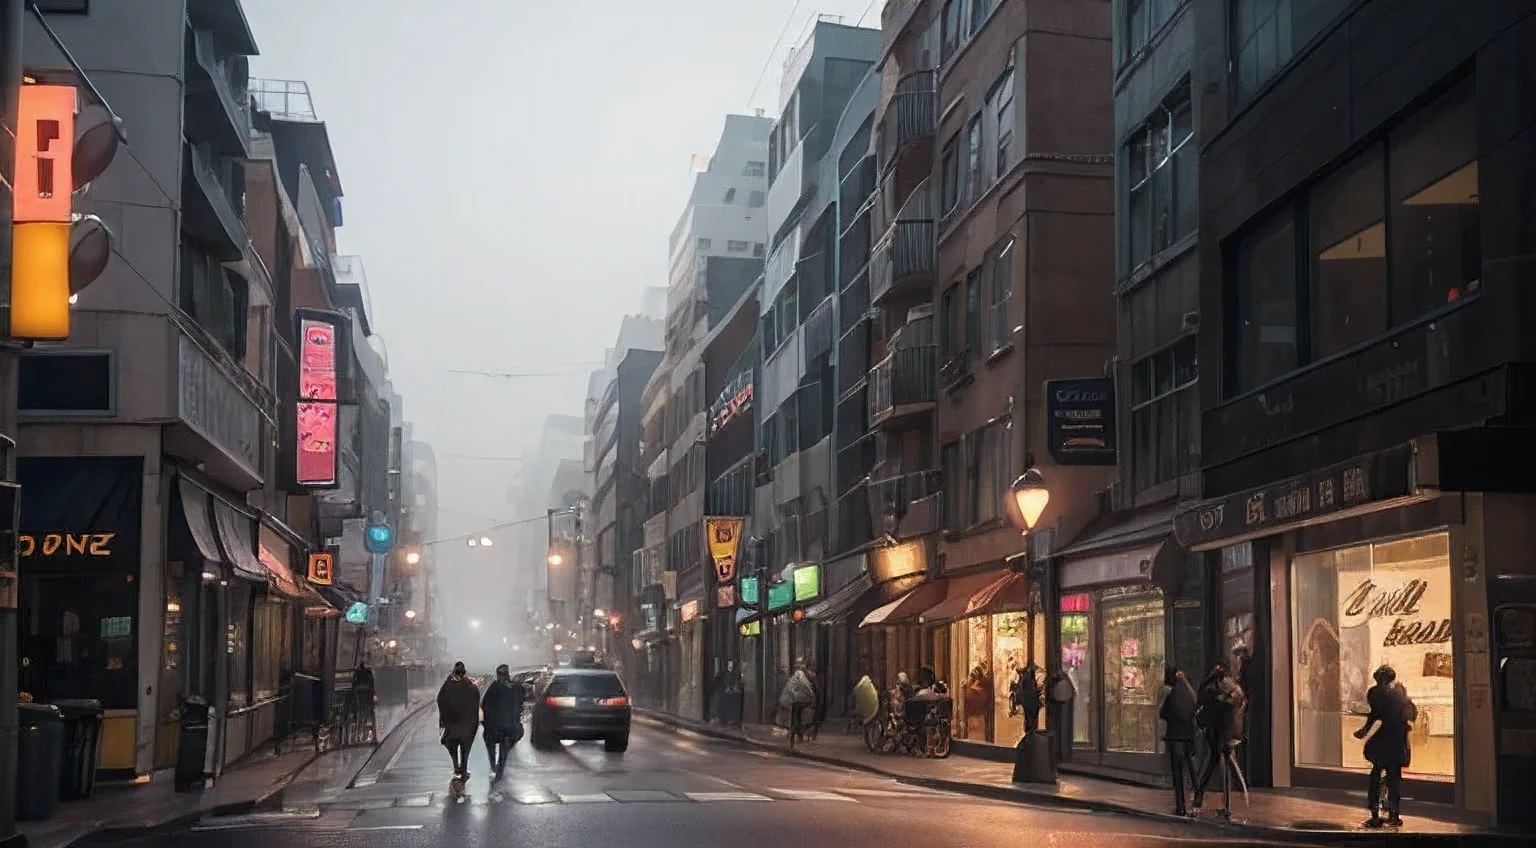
<point x="671" y="789"/>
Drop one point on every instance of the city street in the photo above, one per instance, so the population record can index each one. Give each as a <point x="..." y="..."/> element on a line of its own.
<point x="671" y="788"/>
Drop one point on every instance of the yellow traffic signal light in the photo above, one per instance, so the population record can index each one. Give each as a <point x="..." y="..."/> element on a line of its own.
<point x="55" y="252"/>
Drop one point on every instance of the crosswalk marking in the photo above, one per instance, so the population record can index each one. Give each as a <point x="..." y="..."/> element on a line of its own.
<point x="810" y="795"/>
<point x="589" y="798"/>
<point x="727" y="796"/>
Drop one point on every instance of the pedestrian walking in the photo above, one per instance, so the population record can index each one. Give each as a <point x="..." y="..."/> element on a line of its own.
<point x="1387" y="749"/>
<point x="458" y="714"/>
<point x="502" y="708"/>
<point x="1221" y="709"/>
<point x="1178" y="715"/>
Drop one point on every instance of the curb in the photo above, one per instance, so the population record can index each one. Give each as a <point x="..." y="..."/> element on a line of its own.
<point x="1381" y="839"/>
<point x="269" y="800"/>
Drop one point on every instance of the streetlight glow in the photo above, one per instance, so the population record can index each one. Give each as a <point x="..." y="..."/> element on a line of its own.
<point x="597" y="613"/>
<point x="412" y="558"/>
<point x="473" y="543"/>
<point x="486" y="541"/>
<point x="474" y="623"/>
<point x="1031" y="496"/>
<point x="559" y="647"/>
<point x="556" y="559"/>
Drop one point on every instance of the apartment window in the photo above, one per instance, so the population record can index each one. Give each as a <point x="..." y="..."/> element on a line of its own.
<point x="980" y="11"/>
<point x="759" y="250"/>
<point x="973" y="311"/>
<point x="949" y="170"/>
<point x="1000" y="328"/>
<point x="954" y="14"/>
<point x="1388" y="238"/>
<point x="970" y="186"/>
<point x="735" y="246"/>
<point x="730" y="195"/>
<point x="1266" y="34"/>
<point x="704" y="244"/>
<point x="977" y="471"/>
<point x="1002" y="99"/>
<point x="1165" y="414"/>
<point x="756" y="199"/>
<point x="1162" y="163"/>
<point x="755" y="168"/>
<point x="1143" y="18"/>
<point x="65" y="381"/>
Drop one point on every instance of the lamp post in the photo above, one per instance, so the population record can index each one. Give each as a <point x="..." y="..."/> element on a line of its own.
<point x="1032" y="756"/>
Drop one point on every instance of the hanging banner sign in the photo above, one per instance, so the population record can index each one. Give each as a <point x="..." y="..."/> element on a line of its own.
<point x="725" y="596"/>
<point x="317" y="409"/>
<point x="322" y="569"/>
<point x="731" y="405"/>
<point x="724" y="535"/>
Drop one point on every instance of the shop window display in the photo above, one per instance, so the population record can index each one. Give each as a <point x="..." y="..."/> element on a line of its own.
<point x="1077" y="660"/>
<point x="1355" y="609"/>
<point x="984" y="655"/>
<point x="1133" y="659"/>
<point x="1011" y="644"/>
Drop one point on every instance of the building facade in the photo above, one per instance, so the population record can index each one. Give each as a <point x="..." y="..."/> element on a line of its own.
<point x="1362" y="339"/>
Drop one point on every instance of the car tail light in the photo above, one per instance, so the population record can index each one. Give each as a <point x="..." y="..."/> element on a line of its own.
<point x="560" y="702"/>
<point x="621" y="701"/>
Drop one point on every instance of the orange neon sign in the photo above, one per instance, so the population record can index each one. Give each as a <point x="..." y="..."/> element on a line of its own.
<point x="45" y="140"/>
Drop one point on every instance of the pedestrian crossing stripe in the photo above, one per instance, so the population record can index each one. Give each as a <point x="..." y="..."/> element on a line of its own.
<point x="810" y="795"/>
<point x="726" y="796"/>
<point x="592" y="798"/>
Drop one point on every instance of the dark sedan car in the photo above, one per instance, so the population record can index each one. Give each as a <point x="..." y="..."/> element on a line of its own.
<point x="582" y="703"/>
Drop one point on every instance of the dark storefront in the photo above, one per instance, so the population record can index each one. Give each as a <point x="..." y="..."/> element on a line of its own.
<point x="79" y="546"/>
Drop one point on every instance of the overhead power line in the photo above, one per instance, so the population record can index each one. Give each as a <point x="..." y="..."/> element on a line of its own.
<point x="464" y="537"/>
<point x="772" y="51"/>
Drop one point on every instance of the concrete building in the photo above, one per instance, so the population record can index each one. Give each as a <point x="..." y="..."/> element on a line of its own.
<point x="715" y="253"/>
<point x="524" y="547"/>
<point x="165" y="424"/>
<point x="1362" y="402"/>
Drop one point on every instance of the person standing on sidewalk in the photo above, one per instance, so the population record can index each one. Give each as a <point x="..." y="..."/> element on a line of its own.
<point x="1178" y="715"/>
<point x="1221" y="710"/>
<point x="1387" y="750"/>
<point x="458" y="714"/>
<point x="502" y="708"/>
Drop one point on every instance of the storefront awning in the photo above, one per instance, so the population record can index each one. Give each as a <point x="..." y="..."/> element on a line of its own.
<point x="957" y="597"/>
<point x="908" y="606"/>
<point x="194" y="506"/>
<point x="1160" y="563"/>
<point x="281" y="579"/>
<point x="841" y="602"/>
<point x="1009" y="593"/>
<point x="237" y="535"/>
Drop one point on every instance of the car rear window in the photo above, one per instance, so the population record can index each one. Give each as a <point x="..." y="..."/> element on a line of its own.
<point x="587" y="686"/>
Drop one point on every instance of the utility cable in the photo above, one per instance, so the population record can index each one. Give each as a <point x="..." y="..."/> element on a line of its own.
<point x="773" y="51"/>
<point x="493" y="528"/>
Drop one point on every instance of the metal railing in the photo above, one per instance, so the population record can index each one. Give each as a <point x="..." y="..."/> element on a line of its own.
<point x="912" y="110"/>
<point x="905" y="377"/>
<point x="219" y="187"/>
<point x="230" y="76"/>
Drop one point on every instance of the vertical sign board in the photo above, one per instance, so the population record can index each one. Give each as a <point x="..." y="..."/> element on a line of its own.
<point x="41" y="208"/>
<point x="1080" y="421"/>
<point x="316" y="453"/>
<point x="724" y="536"/>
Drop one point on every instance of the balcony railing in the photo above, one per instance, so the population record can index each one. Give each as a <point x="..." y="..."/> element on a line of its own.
<point x="849" y="520"/>
<point x="903" y="384"/>
<point x="855" y="192"/>
<point x="906" y="505"/>
<point x="853" y="354"/>
<point x="910" y="116"/>
<point x="905" y="257"/>
<point x="893" y="21"/>
<point x="855" y="459"/>
<point x="226" y="229"/>
<point x="229" y="76"/>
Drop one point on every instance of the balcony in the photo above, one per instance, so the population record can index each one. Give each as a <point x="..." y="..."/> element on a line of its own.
<point x="906" y="505"/>
<point x="902" y="385"/>
<point x="855" y="192"/>
<point x="218" y="102"/>
<point x="848" y="521"/>
<point x="902" y="263"/>
<point x="910" y="116"/>
<point x="853" y="355"/>
<point x="209" y="212"/>
<point x="894" y="18"/>
<point x="219" y="410"/>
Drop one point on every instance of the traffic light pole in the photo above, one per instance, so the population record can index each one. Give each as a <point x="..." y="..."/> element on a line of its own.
<point x="12" y="23"/>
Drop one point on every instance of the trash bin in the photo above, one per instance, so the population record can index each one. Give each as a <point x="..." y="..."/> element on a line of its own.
<point x="193" y="744"/>
<point x="39" y="753"/>
<point x="82" y="746"/>
<point x="1032" y="759"/>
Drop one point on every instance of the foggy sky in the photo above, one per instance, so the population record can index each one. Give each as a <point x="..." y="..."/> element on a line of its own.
<point x="512" y="170"/>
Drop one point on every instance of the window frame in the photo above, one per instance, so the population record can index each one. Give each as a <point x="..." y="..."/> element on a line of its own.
<point x="1296" y="211"/>
<point x="1158" y="160"/>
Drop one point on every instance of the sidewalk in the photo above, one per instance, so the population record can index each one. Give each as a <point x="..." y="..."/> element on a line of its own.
<point x="250" y="783"/>
<point x="1289" y="814"/>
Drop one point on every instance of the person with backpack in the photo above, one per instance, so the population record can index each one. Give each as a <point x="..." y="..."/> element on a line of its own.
<point x="1221" y="709"/>
<point x="1178" y="715"/>
<point x="502" y="707"/>
<point x="1388" y="750"/>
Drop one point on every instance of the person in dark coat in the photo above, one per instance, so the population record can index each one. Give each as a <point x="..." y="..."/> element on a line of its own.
<point x="458" y="714"/>
<point x="1221" y="710"/>
<point x="502" y="707"/>
<point x="1025" y="697"/>
<point x="1387" y="750"/>
<point x="1178" y="715"/>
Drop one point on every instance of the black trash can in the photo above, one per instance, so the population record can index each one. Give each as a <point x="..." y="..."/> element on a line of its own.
<point x="1033" y="761"/>
<point x="82" y="747"/>
<point x="39" y="754"/>
<point x="193" y="748"/>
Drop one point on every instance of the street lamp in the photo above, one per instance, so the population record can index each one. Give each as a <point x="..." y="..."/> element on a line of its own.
<point x="474" y="624"/>
<point x="486" y="541"/>
<point x="556" y="559"/>
<point x="410" y="615"/>
<point x="412" y="558"/>
<point x="598" y="613"/>
<point x="1030" y="496"/>
<point x="559" y="647"/>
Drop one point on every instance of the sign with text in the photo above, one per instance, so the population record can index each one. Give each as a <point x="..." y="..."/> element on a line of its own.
<point x="1080" y="421"/>
<point x="45" y="142"/>
<point x="80" y="512"/>
<point x="1270" y="509"/>
<point x="724" y="535"/>
<point x="317" y="454"/>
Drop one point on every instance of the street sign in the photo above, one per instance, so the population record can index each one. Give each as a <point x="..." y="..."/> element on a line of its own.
<point x="379" y="539"/>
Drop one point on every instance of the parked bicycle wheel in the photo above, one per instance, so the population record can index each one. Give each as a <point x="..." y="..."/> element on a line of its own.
<point x="938" y="742"/>
<point x="873" y="737"/>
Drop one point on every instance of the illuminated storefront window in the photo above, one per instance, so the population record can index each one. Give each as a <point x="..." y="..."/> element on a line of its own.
<point x="1353" y="610"/>
<point x="1077" y="660"/>
<point x="985" y="655"/>
<point x="1133" y="660"/>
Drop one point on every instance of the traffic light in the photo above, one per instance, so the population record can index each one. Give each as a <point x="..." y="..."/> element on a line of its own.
<point x="56" y="252"/>
<point x="379" y="538"/>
